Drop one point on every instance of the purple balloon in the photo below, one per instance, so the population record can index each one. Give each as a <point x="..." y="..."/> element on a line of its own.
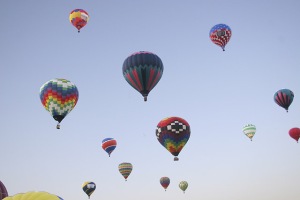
<point x="3" y="191"/>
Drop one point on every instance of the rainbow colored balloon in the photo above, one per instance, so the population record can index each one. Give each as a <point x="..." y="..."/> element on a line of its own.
<point x="125" y="169"/>
<point x="79" y="18"/>
<point x="173" y="133"/>
<point x="59" y="97"/>
<point x="109" y="145"/>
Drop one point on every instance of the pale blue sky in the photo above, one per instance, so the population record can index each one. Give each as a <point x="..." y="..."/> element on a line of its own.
<point x="216" y="92"/>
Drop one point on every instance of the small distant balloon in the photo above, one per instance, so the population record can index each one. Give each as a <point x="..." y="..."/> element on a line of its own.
<point x="173" y="133"/>
<point x="249" y="130"/>
<point x="109" y="145"/>
<point x="284" y="98"/>
<point x="33" y="196"/>
<point x="79" y="18"/>
<point x="89" y="188"/>
<point x="165" y="181"/>
<point x="295" y="133"/>
<point x="183" y="185"/>
<point x="143" y="70"/>
<point x="220" y="34"/>
<point x="125" y="169"/>
<point x="3" y="191"/>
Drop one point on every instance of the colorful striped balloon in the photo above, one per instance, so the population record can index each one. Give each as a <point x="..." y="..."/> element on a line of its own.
<point x="125" y="169"/>
<point x="143" y="70"/>
<point x="173" y="133"/>
<point x="109" y="145"/>
<point x="34" y="196"/>
<point x="165" y="181"/>
<point x="183" y="185"/>
<point x="220" y="34"/>
<point x="79" y="18"/>
<point x="249" y="130"/>
<point x="89" y="188"/>
<point x="59" y="97"/>
<point x="284" y="98"/>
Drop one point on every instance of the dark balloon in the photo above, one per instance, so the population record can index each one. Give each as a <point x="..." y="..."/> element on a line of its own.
<point x="3" y="191"/>
<point x="284" y="98"/>
<point x="295" y="133"/>
<point x="165" y="182"/>
<point x="89" y="188"/>
<point x="143" y="70"/>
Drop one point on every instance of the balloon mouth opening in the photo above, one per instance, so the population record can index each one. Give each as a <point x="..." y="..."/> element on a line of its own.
<point x="58" y="118"/>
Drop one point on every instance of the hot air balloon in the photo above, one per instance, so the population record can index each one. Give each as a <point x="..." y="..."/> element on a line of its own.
<point x="109" y="145"/>
<point x="33" y="196"/>
<point x="59" y="97"/>
<point x="249" y="130"/>
<point x="295" y="133"/>
<point x="284" y="98"/>
<point x="79" y="18"/>
<point x="173" y="133"/>
<point x="143" y="70"/>
<point x="220" y="35"/>
<point x="165" y="181"/>
<point x="125" y="169"/>
<point x="3" y="191"/>
<point x="89" y="188"/>
<point x="183" y="185"/>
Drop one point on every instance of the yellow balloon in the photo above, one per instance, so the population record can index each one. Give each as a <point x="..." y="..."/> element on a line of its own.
<point x="33" y="196"/>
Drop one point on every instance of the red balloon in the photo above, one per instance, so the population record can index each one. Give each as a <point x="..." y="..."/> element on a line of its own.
<point x="295" y="133"/>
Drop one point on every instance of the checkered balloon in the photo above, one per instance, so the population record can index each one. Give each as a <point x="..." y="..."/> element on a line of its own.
<point x="173" y="133"/>
<point x="220" y="34"/>
<point x="59" y="97"/>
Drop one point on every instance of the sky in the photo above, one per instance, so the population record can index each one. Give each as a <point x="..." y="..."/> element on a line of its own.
<point x="216" y="92"/>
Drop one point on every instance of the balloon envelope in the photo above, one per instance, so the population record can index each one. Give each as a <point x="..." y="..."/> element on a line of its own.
<point x="89" y="188"/>
<point x="249" y="130"/>
<point x="173" y="133"/>
<point x="165" y="181"/>
<point x="109" y="145"/>
<point x="220" y="34"/>
<point x="183" y="185"/>
<point x="33" y="196"/>
<point x="59" y="97"/>
<point x="284" y="98"/>
<point x="125" y="169"/>
<point x="143" y="70"/>
<point x="79" y="18"/>
<point x="3" y="191"/>
<point x="295" y="133"/>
